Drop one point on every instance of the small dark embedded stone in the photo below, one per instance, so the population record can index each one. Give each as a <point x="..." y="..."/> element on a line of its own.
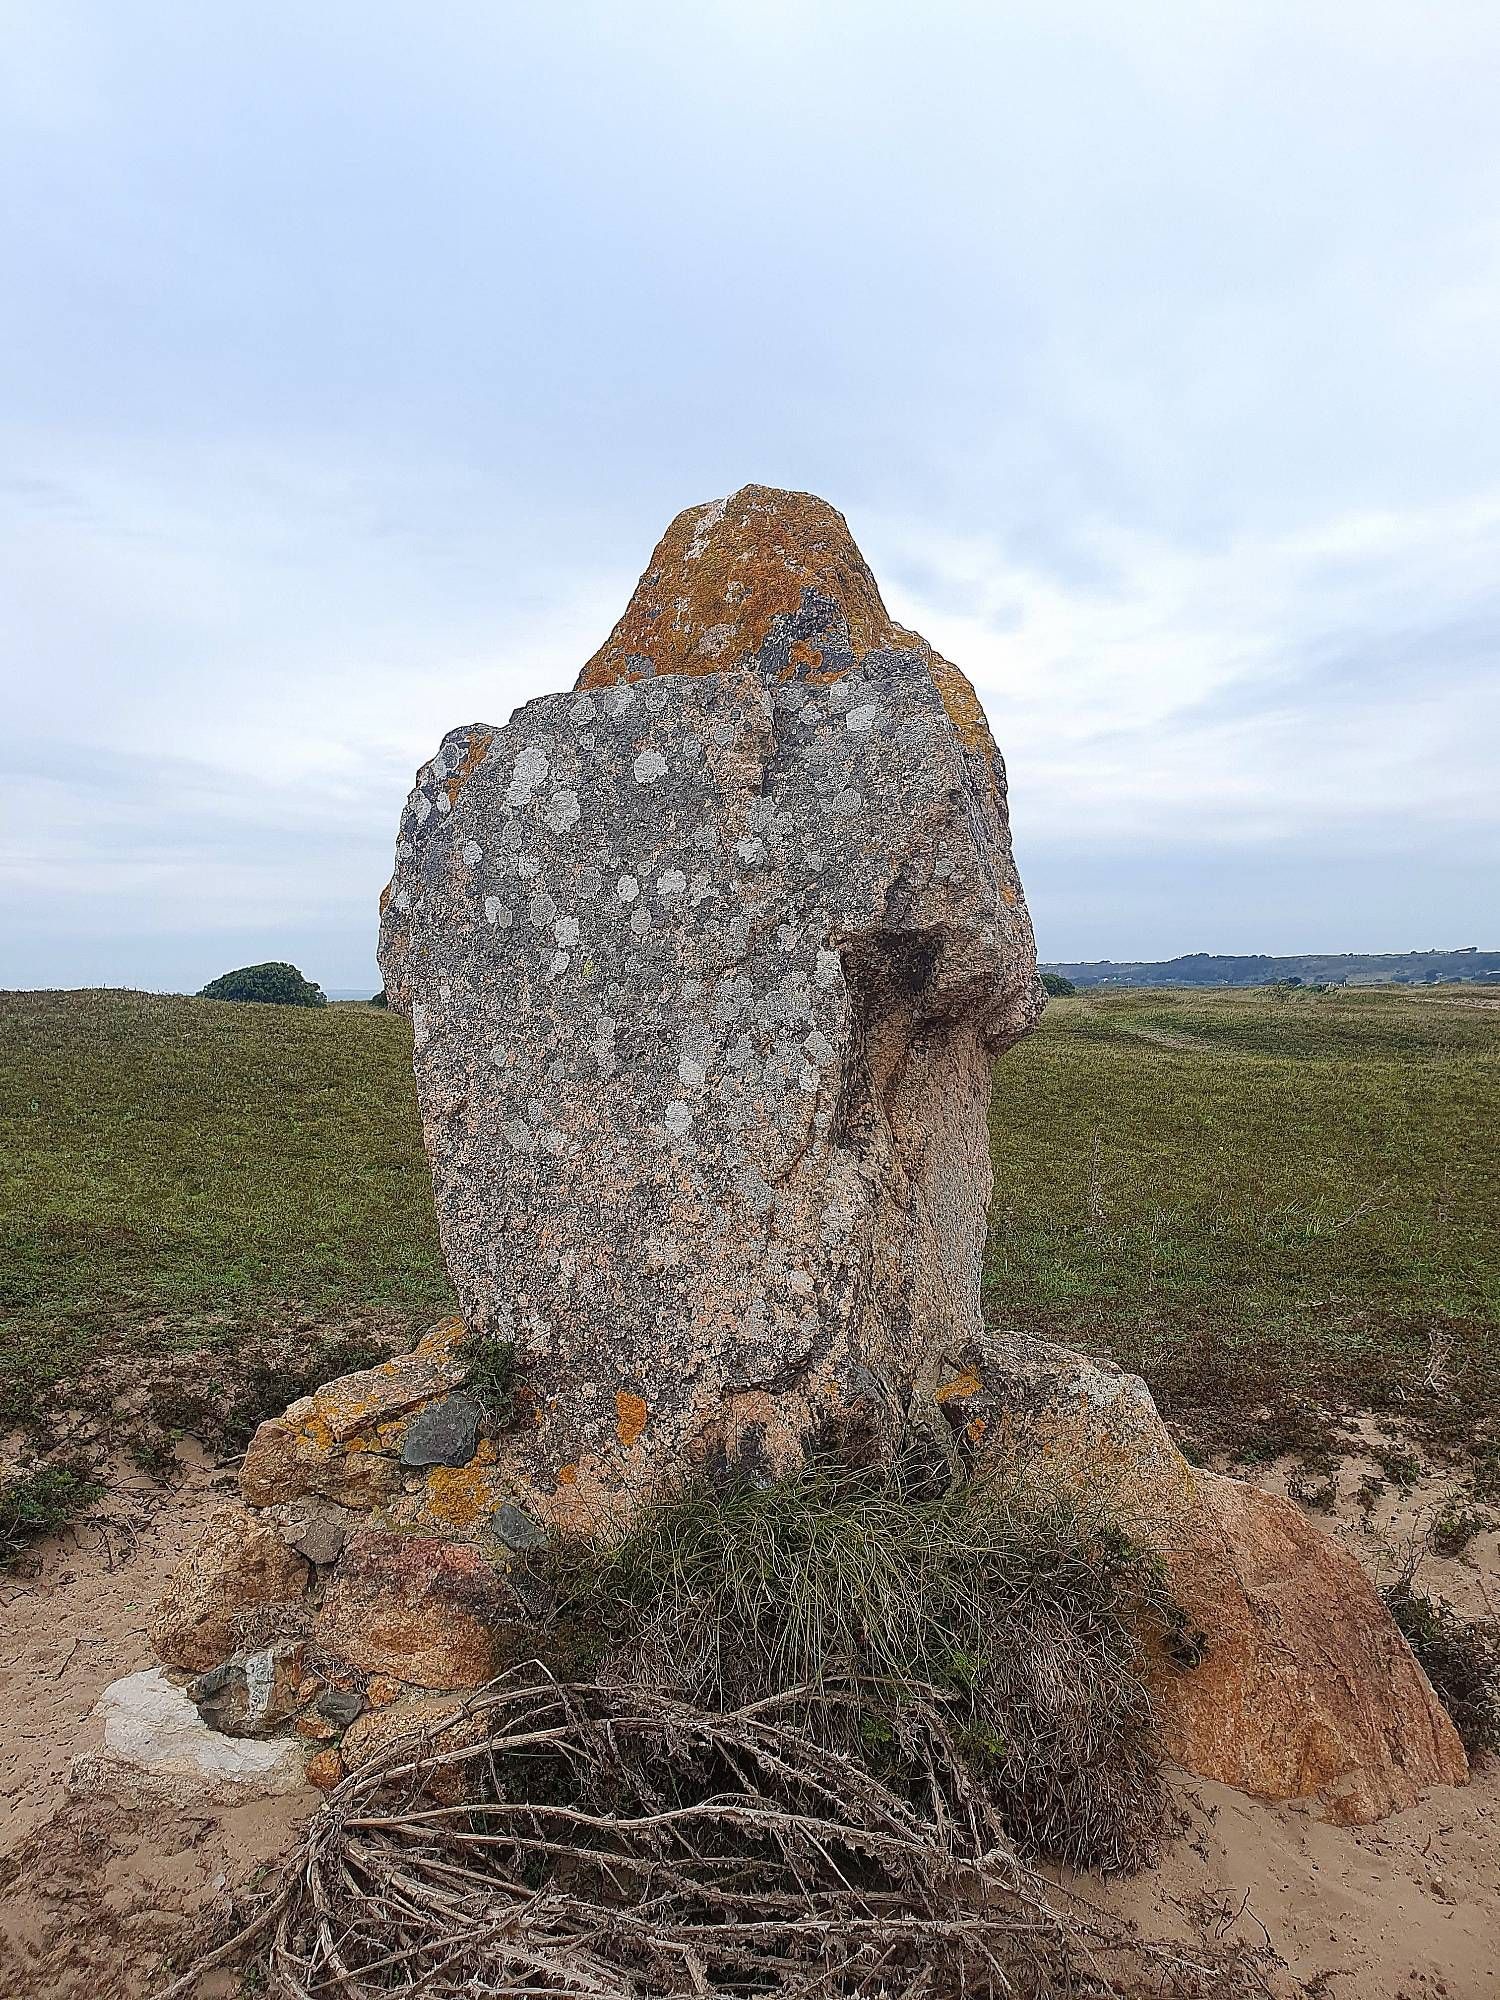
<point x="445" y="1433"/>
<point x="254" y="1693"/>
<point x="336" y="1706"/>
<point x="516" y="1528"/>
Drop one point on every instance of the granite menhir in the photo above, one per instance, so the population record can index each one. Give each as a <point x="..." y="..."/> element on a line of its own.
<point x="707" y="963"/>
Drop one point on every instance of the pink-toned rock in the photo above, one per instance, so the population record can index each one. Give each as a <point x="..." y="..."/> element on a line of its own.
<point x="708" y="961"/>
<point x="431" y="1613"/>
<point x="238" y="1563"/>
<point x="1306" y="1690"/>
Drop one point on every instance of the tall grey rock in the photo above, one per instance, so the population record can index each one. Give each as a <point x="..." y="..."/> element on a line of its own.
<point x="707" y="963"/>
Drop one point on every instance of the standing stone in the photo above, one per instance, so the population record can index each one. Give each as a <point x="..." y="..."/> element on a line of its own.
<point x="707" y="964"/>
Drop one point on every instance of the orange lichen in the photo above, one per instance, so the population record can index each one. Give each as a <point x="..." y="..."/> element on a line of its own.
<point x="1008" y="896"/>
<point x="720" y="577"/>
<point x="723" y="574"/>
<point x="966" y="1385"/>
<point x="567" y="1475"/>
<point x="318" y="1432"/>
<point x="963" y="706"/>
<point x="631" y="1417"/>
<point x="461" y="1495"/>
<point x="975" y="1429"/>
<point x="472" y="759"/>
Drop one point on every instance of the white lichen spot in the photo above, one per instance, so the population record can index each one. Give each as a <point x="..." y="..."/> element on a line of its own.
<point x="418" y="1024"/>
<point x="713" y="640"/>
<point x="402" y="900"/>
<point x="421" y="807"/>
<point x="751" y="850"/>
<point x="565" y="930"/>
<point x="583" y="709"/>
<point x="492" y="909"/>
<point x="690" y="1071"/>
<point x="563" y="811"/>
<point x="528" y="865"/>
<point x="679" y="1117"/>
<point x="532" y="766"/>
<point x="627" y="888"/>
<point x="560" y="963"/>
<point x="650" y="766"/>
<point x="472" y="852"/>
<point x="640" y="920"/>
<point x="863" y="717"/>
<point x="708" y="519"/>
<point x="828" y="970"/>
<point x="442" y="803"/>
<point x="671" y="882"/>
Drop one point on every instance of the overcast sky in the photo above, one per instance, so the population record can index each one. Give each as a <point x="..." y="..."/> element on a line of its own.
<point x="352" y="358"/>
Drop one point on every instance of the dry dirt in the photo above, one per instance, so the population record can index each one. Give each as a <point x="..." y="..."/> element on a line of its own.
<point x="97" y="1893"/>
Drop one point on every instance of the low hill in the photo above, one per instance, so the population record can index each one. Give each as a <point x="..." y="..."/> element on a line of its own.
<point x="1348" y="968"/>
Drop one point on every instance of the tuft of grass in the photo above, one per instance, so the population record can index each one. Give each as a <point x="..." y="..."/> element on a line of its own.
<point x="41" y="1502"/>
<point x="490" y="1375"/>
<point x="1011" y="1619"/>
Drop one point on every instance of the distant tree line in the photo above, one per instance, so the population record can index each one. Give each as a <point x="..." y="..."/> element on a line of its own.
<point x="1202" y="968"/>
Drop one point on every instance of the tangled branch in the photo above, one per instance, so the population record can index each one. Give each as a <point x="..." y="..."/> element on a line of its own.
<point x="601" y="1840"/>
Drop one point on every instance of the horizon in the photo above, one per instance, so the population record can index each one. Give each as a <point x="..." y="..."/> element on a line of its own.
<point x="1152" y="369"/>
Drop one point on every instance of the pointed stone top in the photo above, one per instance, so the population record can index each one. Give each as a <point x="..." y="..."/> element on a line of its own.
<point x="772" y="580"/>
<point x="725" y="572"/>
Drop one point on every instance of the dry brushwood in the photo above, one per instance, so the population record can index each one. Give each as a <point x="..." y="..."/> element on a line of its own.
<point x="617" y="1844"/>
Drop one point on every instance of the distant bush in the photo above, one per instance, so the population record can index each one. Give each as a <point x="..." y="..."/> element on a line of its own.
<point x="276" y="985"/>
<point x="379" y="999"/>
<point x="1058" y="987"/>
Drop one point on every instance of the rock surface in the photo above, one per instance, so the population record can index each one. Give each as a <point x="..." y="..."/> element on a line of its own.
<point x="344" y="1442"/>
<point x="152" y="1731"/>
<point x="1306" y="1689"/>
<point x="428" y="1612"/>
<point x="240" y="1562"/>
<point x="707" y="964"/>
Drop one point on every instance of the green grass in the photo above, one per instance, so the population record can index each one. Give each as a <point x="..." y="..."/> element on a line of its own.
<point x="178" y="1173"/>
<point x="1255" y="1197"/>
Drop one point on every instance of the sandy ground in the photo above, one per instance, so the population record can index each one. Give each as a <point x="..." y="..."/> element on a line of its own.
<point x="96" y="1893"/>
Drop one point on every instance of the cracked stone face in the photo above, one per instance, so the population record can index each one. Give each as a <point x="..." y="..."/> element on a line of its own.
<point x="707" y="962"/>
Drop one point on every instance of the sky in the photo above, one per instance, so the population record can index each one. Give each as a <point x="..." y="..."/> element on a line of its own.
<point x="353" y="358"/>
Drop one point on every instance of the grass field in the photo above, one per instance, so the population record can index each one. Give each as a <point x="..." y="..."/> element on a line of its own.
<point x="1265" y="1201"/>
<point x="181" y="1175"/>
<point x="1262" y="1198"/>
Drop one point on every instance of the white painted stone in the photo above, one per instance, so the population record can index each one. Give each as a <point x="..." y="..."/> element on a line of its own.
<point x="152" y="1727"/>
